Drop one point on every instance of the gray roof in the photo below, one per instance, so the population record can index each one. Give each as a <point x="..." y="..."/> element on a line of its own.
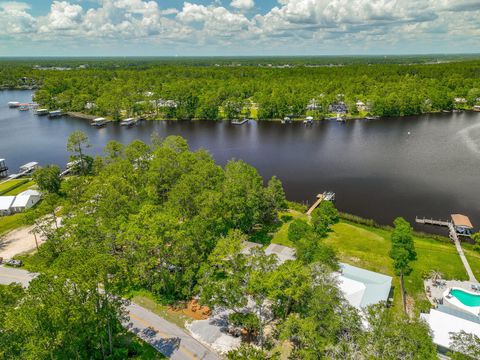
<point x="461" y="314"/>
<point x="377" y="285"/>
<point x="6" y="202"/>
<point x="247" y="247"/>
<point x="283" y="253"/>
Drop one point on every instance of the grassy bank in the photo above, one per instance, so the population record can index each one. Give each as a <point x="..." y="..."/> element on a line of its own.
<point x="368" y="247"/>
<point x="10" y="185"/>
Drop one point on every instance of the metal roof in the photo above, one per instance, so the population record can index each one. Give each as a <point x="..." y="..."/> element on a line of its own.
<point x="377" y="286"/>
<point x="6" y="202"/>
<point x="461" y="220"/>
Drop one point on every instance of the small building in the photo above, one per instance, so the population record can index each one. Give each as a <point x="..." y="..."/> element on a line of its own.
<point x="462" y="224"/>
<point x="29" y="167"/>
<point x="338" y="108"/>
<point x="362" y="287"/>
<point x="6" y="205"/>
<point x="283" y="253"/>
<point x="460" y="100"/>
<point x="361" y="106"/>
<point x="444" y="321"/>
<point x="3" y="168"/>
<point x="25" y="200"/>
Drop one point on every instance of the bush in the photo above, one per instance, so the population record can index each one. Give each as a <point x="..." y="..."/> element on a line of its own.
<point x="298" y="229"/>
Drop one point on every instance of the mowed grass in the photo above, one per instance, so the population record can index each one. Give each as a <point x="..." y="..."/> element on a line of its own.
<point x="10" y="222"/>
<point x="369" y="248"/>
<point x="20" y="188"/>
<point x="10" y="184"/>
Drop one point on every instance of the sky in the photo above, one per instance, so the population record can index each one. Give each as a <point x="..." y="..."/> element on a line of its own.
<point x="238" y="27"/>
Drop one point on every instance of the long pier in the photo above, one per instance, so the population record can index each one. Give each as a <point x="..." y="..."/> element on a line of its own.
<point x="326" y="196"/>
<point x="454" y="237"/>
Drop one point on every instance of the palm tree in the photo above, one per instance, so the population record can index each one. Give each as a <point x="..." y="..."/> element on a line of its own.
<point x="435" y="275"/>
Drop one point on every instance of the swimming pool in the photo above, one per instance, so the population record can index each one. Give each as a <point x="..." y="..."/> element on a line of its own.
<point x="466" y="298"/>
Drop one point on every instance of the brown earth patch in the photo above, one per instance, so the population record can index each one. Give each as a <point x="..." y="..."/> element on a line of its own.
<point x="192" y="309"/>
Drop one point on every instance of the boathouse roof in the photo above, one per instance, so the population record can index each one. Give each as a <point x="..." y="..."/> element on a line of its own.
<point x="461" y="220"/>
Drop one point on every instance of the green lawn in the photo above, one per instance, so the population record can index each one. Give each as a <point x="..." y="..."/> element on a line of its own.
<point x="17" y="190"/>
<point x="10" y="185"/>
<point x="369" y="247"/>
<point x="10" y="222"/>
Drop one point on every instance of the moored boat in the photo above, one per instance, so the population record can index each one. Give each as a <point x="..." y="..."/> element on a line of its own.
<point x="13" y="104"/>
<point x="41" y="112"/>
<point x="99" y="122"/>
<point x="128" y="122"/>
<point x="55" y="113"/>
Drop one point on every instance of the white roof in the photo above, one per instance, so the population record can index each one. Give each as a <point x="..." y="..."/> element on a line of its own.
<point x="283" y="253"/>
<point x="353" y="290"/>
<point x="6" y="202"/>
<point x="377" y="286"/>
<point x="22" y="199"/>
<point x="30" y="164"/>
<point x="99" y="119"/>
<point x="444" y="320"/>
<point x="30" y="192"/>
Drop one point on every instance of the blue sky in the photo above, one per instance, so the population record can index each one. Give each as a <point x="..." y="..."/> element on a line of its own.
<point x="237" y="27"/>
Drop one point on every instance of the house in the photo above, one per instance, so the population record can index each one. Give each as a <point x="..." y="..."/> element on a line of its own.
<point x="25" y="200"/>
<point x="248" y="246"/>
<point x="362" y="287"/>
<point x="283" y="253"/>
<point x="338" y="108"/>
<point x="460" y="100"/>
<point x="361" y="106"/>
<point x="313" y="105"/>
<point x="444" y="321"/>
<point x="6" y="204"/>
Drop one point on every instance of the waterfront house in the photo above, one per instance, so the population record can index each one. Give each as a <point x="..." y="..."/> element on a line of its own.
<point x="444" y="321"/>
<point x="362" y="287"/>
<point x="313" y="105"/>
<point x="338" y="108"/>
<point x="361" y="106"/>
<point x="462" y="224"/>
<point x="6" y="205"/>
<point x="283" y="253"/>
<point x="460" y="100"/>
<point x="25" y="200"/>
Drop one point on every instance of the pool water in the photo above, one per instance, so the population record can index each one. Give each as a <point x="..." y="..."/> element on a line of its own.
<point x="466" y="298"/>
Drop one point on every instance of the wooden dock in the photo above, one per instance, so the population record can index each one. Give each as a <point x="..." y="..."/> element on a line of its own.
<point x="239" y="122"/>
<point x="326" y="196"/>
<point x="426" y="221"/>
<point x="454" y="237"/>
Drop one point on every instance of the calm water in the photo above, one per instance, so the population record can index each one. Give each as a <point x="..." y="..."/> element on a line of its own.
<point x="425" y="166"/>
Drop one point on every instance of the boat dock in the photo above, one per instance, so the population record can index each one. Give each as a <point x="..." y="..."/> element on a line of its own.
<point x="326" y="196"/>
<point x="459" y="225"/>
<point x="239" y="122"/>
<point x="426" y="221"/>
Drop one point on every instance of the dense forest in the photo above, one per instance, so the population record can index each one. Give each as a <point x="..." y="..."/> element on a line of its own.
<point x="167" y="220"/>
<point x="227" y="88"/>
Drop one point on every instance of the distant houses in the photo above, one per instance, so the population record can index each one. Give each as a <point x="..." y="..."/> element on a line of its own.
<point x="339" y="107"/>
<point x="15" y="204"/>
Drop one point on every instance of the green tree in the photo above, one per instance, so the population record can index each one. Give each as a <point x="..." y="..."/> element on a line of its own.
<point x="465" y="346"/>
<point x="48" y="179"/>
<point x="323" y="217"/>
<point x="77" y="143"/>
<point x="298" y="229"/>
<point x="402" y="252"/>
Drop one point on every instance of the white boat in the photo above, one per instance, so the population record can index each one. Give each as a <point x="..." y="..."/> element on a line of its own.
<point x="55" y="113"/>
<point x="99" y="122"/>
<point x="41" y="112"/>
<point x="308" y="120"/>
<point x="128" y="122"/>
<point x="13" y="104"/>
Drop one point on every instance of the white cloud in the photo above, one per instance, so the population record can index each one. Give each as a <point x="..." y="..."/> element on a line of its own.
<point x="62" y="16"/>
<point x="243" y="4"/>
<point x="14" y="18"/>
<point x="299" y="24"/>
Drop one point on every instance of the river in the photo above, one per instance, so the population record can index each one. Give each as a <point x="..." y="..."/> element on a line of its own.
<point x="425" y="165"/>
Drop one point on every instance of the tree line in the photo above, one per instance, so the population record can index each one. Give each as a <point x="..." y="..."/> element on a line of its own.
<point x="134" y="88"/>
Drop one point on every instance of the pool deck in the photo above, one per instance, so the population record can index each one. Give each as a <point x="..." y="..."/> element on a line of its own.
<point x="436" y="292"/>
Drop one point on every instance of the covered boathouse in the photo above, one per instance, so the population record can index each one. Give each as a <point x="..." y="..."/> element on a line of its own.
<point x="462" y="224"/>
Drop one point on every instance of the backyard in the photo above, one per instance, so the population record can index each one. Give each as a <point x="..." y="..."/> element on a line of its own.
<point x="368" y="247"/>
